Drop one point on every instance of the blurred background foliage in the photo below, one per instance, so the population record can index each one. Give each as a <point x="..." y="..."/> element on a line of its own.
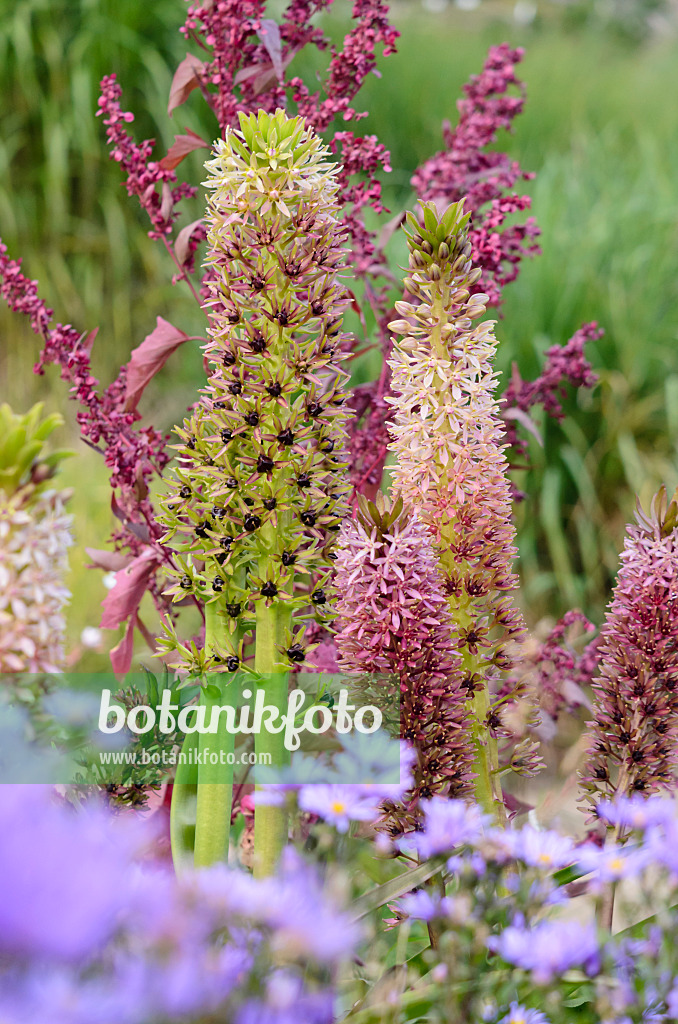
<point x="600" y="129"/>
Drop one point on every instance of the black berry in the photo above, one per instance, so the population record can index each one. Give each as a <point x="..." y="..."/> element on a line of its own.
<point x="319" y="597"/>
<point x="217" y="584"/>
<point x="288" y="558"/>
<point x="296" y="653"/>
<point x="251" y="522"/>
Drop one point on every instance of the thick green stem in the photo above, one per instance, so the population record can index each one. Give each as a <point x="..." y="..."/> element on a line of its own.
<point x="215" y="780"/>
<point x="270" y="823"/>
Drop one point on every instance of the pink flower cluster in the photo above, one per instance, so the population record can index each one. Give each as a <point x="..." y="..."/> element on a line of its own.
<point x="634" y="728"/>
<point x="565" y="364"/>
<point x="143" y="174"/>
<point x="393" y="619"/>
<point x="469" y="168"/>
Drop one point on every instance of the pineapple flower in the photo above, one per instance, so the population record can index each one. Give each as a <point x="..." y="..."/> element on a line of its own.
<point x="34" y="537"/>
<point x="393" y="619"/>
<point x="260" y="487"/>
<point x="448" y="438"/>
<point x="635" y="708"/>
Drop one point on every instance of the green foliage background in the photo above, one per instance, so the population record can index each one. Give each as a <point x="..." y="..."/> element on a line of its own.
<point x="600" y="128"/>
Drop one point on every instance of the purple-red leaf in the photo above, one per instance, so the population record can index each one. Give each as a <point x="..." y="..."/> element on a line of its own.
<point x="183" y="240"/>
<point x="181" y="147"/>
<point x="269" y="33"/>
<point x="186" y="79"/>
<point x="150" y="356"/>
<point x="130" y="586"/>
<point x="111" y="561"/>
<point x="121" y="654"/>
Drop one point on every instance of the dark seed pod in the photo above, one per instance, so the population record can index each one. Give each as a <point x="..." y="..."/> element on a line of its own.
<point x="219" y="405"/>
<point x="314" y="409"/>
<point x="185" y="491"/>
<point x="251" y="522"/>
<point x="286" y="437"/>
<point x="326" y="445"/>
<point x="265" y="464"/>
<point x="269" y="504"/>
<point x="269" y="589"/>
<point x="235" y="387"/>
<point x="228" y="359"/>
<point x="201" y="529"/>
<point x="233" y="609"/>
<point x="186" y="583"/>
<point x="226" y="542"/>
<point x="319" y="596"/>
<point x="218" y="511"/>
<point x="231" y="481"/>
<point x="296" y="653"/>
<point x="258" y="342"/>
<point x="252" y="419"/>
<point x="288" y="558"/>
<point x="303" y="480"/>
<point x="191" y="443"/>
<point x="232" y="663"/>
<point x="275" y="389"/>
<point x="308" y="518"/>
<point x="226" y="436"/>
<point x="217" y="584"/>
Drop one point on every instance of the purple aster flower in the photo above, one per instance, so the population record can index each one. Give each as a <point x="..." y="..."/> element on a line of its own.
<point x="422" y="906"/>
<point x="549" y="949"/>
<point x="538" y="849"/>
<point x="447" y="824"/>
<point x="339" y="805"/>
<point x="521" y="1015"/>
<point x="612" y="863"/>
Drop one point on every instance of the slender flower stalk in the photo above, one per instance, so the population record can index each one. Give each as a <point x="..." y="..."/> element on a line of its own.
<point x="34" y="537"/>
<point x="451" y="468"/>
<point x="634" y="728"/>
<point x="393" y="618"/>
<point x="259" y="490"/>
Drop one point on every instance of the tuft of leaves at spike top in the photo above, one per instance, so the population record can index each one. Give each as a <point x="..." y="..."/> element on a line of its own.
<point x="265" y="445"/>
<point x="634" y="729"/>
<point x="393" y="618"/>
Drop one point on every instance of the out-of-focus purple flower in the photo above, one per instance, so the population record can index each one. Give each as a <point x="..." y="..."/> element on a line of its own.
<point x="638" y="812"/>
<point x="447" y="824"/>
<point x="292" y="905"/>
<point x="612" y="863"/>
<point x="549" y="949"/>
<point x="65" y="875"/>
<point x="539" y="849"/>
<point x="339" y="805"/>
<point x="422" y="906"/>
<point x="519" y="1014"/>
<point x="287" y="1003"/>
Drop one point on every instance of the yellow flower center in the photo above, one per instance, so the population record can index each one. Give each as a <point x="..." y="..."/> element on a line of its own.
<point x="338" y="806"/>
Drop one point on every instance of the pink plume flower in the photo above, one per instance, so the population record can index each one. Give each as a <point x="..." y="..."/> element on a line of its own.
<point x="635" y="725"/>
